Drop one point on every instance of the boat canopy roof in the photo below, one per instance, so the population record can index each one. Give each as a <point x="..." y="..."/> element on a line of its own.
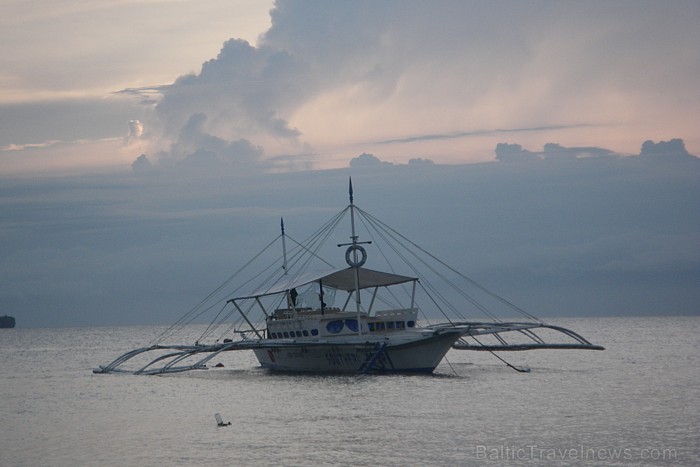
<point x="339" y="278"/>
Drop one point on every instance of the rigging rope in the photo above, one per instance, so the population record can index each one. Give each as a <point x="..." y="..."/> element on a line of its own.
<point x="519" y="370"/>
<point x="466" y="278"/>
<point x="302" y="254"/>
<point x="297" y="254"/>
<point x="193" y="314"/>
<point x="386" y="231"/>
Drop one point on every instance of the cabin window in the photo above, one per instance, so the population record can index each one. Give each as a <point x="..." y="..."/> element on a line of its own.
<point x="305" y="333"/>
<point x="411" y="324"/>
<point x="298" y="333"/>
<point x="314" y="332"/>
<point x="400" y="325"/>
<point x="351" y="324"/>
<point x="370" y="326"/>
<point x="335" y="326"/>
<point x="390" y="325"/>
<point x="286" y="334"/>
<point x="380" y="326"/>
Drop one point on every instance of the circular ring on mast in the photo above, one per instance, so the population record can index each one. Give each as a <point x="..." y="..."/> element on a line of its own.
<point x="349" y="258"/>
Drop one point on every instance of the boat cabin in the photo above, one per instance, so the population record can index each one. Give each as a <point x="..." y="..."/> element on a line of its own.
<point x="310" y="310"/>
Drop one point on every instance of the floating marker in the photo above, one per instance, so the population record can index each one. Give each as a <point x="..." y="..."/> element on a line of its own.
<point x="220" y="421"/>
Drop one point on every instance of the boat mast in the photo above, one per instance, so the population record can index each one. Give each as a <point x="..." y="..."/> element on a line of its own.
<point x="355" y="262"/>
<point x="354" y="258"/>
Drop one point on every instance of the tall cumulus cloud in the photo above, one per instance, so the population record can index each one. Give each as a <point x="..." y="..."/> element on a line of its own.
<point x="226" y="112"/>
<point x="372" y="71"/>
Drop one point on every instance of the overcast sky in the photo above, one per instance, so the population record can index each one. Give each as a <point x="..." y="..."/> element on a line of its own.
<point x="558" y="232"/>
<point x="148" y="146"/>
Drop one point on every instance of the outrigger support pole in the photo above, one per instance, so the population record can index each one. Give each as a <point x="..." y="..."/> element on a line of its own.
<point x="245" y="318"/>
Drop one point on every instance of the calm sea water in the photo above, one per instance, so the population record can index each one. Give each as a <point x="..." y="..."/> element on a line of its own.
<point x="636" y="403"/>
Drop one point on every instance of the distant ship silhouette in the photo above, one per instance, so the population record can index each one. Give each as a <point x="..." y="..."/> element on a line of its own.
<point x="7" y="322"/>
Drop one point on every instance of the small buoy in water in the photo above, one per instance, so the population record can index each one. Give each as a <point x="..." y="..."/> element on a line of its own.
<point x="219" y="420"/>
<point x="219" y="365"/>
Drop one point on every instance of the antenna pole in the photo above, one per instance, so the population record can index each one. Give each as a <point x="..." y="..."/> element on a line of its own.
<point x="284" y="247"/>
<point x="290" y="302"/>
<point x="352" y="221"/>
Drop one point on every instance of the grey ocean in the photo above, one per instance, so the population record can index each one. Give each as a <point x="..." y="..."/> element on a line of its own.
<point x="637" y="403"/>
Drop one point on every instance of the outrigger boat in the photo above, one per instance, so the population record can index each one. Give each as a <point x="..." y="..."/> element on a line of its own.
<point x="307" y="315"/>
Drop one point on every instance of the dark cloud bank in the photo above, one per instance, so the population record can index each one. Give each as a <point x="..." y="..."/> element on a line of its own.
<point x="562" y="231"/>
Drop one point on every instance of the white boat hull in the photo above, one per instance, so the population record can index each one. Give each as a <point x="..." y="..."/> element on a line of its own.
<point x="421" y="355"/>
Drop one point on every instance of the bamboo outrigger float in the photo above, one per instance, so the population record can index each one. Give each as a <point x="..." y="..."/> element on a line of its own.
<point x="296" y="319"/>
